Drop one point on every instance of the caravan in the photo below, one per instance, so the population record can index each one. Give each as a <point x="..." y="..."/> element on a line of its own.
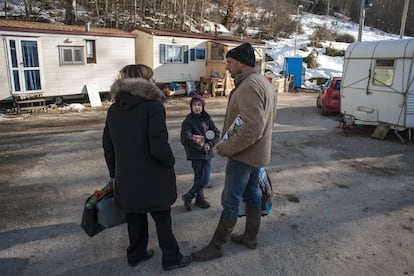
<point x="45" y="61"/>
<point x="377" y="83"/>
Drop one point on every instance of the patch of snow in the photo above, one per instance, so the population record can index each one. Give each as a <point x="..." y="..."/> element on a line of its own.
<point x="73" y="107"/>
<point x="4" y="117"/>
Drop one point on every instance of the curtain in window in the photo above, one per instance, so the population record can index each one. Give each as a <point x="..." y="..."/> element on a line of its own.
<point x="15" y="71"/>
<point x="174" y="54"/>
<point x="30" y="60"/>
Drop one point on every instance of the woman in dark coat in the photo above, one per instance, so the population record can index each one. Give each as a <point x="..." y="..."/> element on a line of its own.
<point x="139" y="158"/>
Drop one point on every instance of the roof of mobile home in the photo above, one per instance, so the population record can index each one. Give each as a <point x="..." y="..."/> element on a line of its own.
<point x="57" y="28"/>
<point x="220" y="38"/>
<point x="381" y="49"/>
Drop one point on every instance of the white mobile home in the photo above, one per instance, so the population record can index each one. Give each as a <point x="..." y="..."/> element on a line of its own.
<point x="168" y="54"/>
<point x="181" y="56"/>
<point x="377" y="83"/>
<point x="56" y="61"/>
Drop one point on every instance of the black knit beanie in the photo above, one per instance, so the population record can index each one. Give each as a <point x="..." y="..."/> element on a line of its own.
<point x="243" y="53"/>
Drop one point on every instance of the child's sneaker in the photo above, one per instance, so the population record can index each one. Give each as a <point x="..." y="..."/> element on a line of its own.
<point x="202" y="202"/>
<point x="187" y="198"/>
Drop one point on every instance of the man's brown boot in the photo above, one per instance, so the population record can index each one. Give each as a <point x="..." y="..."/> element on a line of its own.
<point x="248" y="238"/>
<point x="215" y="248"/>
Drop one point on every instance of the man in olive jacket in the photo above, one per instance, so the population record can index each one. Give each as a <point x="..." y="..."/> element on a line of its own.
<point x="249" y="149"/>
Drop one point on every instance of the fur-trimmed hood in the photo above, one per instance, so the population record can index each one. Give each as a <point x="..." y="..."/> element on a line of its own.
<point x="122" y="89"/>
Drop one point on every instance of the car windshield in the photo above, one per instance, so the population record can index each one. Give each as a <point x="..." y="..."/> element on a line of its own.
<point x="327" y="83"/>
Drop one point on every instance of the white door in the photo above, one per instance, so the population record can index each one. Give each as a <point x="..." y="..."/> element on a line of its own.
<point x="24" y="65"/>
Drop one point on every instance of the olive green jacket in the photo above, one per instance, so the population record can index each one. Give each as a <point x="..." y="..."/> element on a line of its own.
<point x="254" y="99"/>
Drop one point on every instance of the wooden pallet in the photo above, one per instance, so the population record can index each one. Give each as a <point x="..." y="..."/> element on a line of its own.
<point x="30" y="104"/>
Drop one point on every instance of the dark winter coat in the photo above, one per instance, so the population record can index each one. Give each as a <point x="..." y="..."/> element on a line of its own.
<point x="198" y="125"/>
<point x="136" y="148"/>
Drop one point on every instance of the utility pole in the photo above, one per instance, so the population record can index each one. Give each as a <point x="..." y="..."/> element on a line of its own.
<point x="404" y="18"/>
<point x="361" y="19"/>
<point x="297" y="25"/>
<point x="365" y="4"/>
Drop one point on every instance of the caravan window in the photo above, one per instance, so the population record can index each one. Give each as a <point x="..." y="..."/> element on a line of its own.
<point x="173" y="53"/>
<point x="384" y="72"/>
<point x="71" y="55"/>
<point x="90" y="51"/>
<point x="197" y="54"/>
<point x="217" y="51"/>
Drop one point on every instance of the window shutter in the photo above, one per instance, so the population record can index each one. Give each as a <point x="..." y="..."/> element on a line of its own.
<point x="162" y="54"/>
<point x="185" y="48"/>
<point x="192" y="54"/>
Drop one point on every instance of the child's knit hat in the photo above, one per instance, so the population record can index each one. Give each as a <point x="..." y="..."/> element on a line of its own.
<point x="200" y="98"/>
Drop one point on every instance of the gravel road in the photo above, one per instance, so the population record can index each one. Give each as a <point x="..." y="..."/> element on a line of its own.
<point x="343" y="204"/>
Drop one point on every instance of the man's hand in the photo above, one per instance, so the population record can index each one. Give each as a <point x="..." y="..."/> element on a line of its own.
<point x="219" y="150"/>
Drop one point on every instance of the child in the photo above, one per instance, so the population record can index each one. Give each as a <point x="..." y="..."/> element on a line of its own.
<point x="198" y="149"/>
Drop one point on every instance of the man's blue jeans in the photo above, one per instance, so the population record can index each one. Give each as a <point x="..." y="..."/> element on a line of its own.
<point x="202" y="170"/>
<point x="241" y="183"/>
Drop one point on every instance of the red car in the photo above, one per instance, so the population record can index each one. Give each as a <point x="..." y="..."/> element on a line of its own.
<point x="329" y="97"/>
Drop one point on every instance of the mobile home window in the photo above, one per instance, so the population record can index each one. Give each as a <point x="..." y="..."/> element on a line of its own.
<point x="173" y="53"/>
<point x="90" y="51"/>
<point x="197" y="54"/>
<point x="217" y="51"/>
<point x="384" y="72"/>
<point x="71" y="55"/>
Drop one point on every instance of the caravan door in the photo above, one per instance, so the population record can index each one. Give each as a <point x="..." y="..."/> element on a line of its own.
<point x="24" y="65"/>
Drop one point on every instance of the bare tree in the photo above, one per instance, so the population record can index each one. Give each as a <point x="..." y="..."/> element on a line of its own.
<point x="28" y="9"/>
<point x="5" y="9"/>
<point x="274" y="19"/>
<point x="230" y="14"/>
<point x="70" y="9"/>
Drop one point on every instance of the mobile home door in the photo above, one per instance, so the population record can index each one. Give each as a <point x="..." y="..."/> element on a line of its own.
<point x="24" y="65"/>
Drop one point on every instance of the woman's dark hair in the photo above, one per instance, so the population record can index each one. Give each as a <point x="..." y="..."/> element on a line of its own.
<point x="136" y="71"/>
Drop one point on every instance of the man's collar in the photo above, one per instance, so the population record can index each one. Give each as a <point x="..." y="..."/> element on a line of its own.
<point x="240" y="77"/>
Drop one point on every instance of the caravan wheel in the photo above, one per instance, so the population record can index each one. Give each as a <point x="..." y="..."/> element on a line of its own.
<point x="59" y="100"/>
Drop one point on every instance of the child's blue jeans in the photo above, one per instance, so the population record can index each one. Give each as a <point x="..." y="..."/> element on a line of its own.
<point x="202" y="170"/>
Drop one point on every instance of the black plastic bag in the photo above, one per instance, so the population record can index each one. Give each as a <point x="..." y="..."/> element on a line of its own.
<point x="89" y="221"/>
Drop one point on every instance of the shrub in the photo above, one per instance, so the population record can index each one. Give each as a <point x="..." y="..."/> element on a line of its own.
<point x="312" y="59"/>
<point x="322" y="33"/>
<point x="268" y="58"/>
<point x="319" y="80"/>
<point x="348" y="38"/>
<point x="332" y="52"/>
<point x="315" y="44"/>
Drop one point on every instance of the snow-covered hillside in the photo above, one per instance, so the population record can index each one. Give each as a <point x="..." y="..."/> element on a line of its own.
<point x="328" y="66"/>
